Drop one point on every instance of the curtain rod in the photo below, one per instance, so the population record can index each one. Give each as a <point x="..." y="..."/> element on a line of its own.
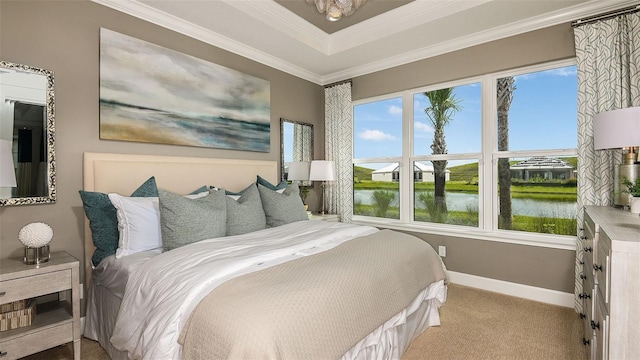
<point x="607" y="15"/>
<point x="338" y="83"/>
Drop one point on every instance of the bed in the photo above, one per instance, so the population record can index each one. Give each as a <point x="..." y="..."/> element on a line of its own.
<point x="303" y="289"/>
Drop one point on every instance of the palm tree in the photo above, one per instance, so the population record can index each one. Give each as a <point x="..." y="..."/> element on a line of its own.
<point x="505" y="88"/>
<point x="443" y="105"/>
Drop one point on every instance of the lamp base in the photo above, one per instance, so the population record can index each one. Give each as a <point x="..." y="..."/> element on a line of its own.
<point x="36" y="256"/>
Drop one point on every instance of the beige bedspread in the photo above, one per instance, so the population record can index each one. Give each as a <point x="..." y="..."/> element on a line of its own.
<point x="315" y="307"/>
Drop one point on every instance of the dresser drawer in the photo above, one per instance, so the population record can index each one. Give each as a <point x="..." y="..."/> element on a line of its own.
<point x="602" y="267"/>
<point x="600" y="326"/>
<point x="32" y="286"/>
<point x="37" y="341"/>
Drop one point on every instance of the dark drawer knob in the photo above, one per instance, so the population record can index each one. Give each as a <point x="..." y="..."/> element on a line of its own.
<point x="588" y="249"/>
<point x="3" y="293"/>
<point x="583" y="276"/>
<point x="3" y="353"/>
<point x="585" y="341"/>
<point x="584" y="296"/>
<point x="583" y="237"/>
<point x="597" y="267"/>
<point x="595" y="325"/>
<point x="582" y="316"/>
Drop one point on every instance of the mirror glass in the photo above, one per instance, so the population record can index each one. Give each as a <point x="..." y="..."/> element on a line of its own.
<point x="296" y="144"/>
<point x="27" y="133"/>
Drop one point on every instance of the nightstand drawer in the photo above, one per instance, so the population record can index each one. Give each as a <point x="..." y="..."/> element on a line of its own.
<point x="32" y="286"/>
<point x="602" y="264"/>
<point x="34" y="342"/>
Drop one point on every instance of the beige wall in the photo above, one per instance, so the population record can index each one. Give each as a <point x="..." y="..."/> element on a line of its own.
<point x="63" y="36"/>
<point x="529" y="265"/>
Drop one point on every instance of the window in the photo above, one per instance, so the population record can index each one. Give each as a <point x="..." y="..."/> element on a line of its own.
<point x="493" y="154"/>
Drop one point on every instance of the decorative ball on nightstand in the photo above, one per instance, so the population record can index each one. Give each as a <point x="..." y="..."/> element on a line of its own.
<point x="36" y="237"/>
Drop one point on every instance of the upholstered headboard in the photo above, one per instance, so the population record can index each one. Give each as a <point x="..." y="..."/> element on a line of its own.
<point x="123" y="173"/>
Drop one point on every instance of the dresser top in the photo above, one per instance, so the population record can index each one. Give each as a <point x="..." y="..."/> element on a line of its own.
<point x="620" y="225"/>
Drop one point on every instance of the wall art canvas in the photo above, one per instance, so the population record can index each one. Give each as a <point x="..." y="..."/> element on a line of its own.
<point x="156" y="95"/>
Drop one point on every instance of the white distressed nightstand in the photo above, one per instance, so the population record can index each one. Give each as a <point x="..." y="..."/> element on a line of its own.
<point x="325" y="217"/>
<point x="55" y="322"/>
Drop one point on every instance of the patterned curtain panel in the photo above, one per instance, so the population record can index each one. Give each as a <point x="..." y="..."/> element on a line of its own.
<point x="339" y="148"/>
<point x="608" y="57"/>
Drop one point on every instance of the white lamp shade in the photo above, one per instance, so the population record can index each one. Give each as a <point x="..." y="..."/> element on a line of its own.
<point x="7" y="171"/>
<point x="322" y="170"/>
<point x="298" y="170"/>
<point x="616" y="128"/>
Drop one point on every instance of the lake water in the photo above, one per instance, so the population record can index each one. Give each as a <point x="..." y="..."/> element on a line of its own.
<point x="464" y="201"/>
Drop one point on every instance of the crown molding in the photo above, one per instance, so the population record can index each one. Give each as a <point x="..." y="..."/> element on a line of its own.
<point x="283" y="20"/>
<point x="160" y="18"/>
<point x="280" y="18"/>
<point x="397" y="20"/>
<point x="535" y="23"/>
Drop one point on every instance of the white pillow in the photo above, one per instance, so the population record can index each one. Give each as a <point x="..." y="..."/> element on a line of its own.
<point x="138" y="224"/>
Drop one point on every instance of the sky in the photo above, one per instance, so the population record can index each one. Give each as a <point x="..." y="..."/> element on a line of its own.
<point x="543" y="115"/>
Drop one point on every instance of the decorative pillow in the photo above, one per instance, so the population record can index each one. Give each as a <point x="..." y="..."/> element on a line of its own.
<point x="244" y="212"/>
<point x="184" y="221"/>
<point x="138" y="224"/>
<point x="282" y="208"/>
<point x="103" y="220"/>
<point x="264" y="182"/>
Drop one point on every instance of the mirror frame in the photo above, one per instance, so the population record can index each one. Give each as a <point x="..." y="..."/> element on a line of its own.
<point x="50" y="137"/>
<point x="282" y="121"/>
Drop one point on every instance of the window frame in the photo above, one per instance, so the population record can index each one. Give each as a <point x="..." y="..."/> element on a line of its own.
<point x="487" y="167"/>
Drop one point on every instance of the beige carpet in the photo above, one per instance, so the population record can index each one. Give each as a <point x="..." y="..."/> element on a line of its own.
<point x="476" y="325"/>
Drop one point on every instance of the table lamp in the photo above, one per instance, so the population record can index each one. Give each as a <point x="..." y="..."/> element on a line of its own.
<point x="299" y="171"/>
<point x="620" y="129"/>
<point x="322" y="170"/>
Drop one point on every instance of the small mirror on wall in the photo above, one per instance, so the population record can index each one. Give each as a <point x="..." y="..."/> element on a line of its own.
<point x="296" y="144"/>
<point x="27" y="135"/>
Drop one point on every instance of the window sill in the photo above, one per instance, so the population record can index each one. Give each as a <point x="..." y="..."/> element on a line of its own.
<point x="563" y="242"/>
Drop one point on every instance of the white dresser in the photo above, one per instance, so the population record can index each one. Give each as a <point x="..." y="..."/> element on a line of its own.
<point x="611" y="283"/>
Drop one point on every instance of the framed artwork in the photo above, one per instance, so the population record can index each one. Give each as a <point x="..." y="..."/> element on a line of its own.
<point x="152" y="94"/>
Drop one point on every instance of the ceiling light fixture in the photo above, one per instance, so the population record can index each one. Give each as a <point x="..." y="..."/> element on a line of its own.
<point x="335" y="9"/>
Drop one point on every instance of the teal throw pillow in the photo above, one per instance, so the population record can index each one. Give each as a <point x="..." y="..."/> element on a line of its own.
<point x="264" y="182"/>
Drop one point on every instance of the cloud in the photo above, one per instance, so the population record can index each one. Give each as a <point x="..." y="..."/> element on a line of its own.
<point x="375" y="135"/>
<point x="395" y="110"/>
<point x="420" y="126"/>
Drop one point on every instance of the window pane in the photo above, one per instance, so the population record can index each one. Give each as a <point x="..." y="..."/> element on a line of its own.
<point x="448" y="199"/>
<point x="541" y="196"/>
<point x="376" y="190"/>
<point x="538" y="110"/>
<point x="457" y="112"/>
<point x="377" y="129"/>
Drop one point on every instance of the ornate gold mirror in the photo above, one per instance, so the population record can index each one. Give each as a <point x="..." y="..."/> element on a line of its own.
<point x="27" y="135"/>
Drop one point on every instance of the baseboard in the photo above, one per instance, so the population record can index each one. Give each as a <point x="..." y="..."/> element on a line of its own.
<point x="513" y="289"/>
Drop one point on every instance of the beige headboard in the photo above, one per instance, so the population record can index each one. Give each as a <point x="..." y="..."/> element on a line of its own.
<point x="123" y="173"/>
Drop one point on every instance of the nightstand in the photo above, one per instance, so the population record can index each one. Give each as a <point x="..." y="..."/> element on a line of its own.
<point x="325" y="217"/>
<point x="55" y="322"/>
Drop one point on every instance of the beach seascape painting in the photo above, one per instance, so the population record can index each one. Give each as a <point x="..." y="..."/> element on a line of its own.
<point x="156" y="95"/>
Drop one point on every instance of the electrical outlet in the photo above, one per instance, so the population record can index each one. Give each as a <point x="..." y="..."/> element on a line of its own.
<point x="442" y="251"/>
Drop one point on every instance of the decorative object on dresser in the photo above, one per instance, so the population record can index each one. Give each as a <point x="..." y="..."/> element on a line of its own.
<point x="633" y="189"/>
<point x="322" y="170"/>
<point x="58" y="321"/>
<point x="610" y="273"/>
<point x="620" y="129"/>
<point x="36" y="237"/>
